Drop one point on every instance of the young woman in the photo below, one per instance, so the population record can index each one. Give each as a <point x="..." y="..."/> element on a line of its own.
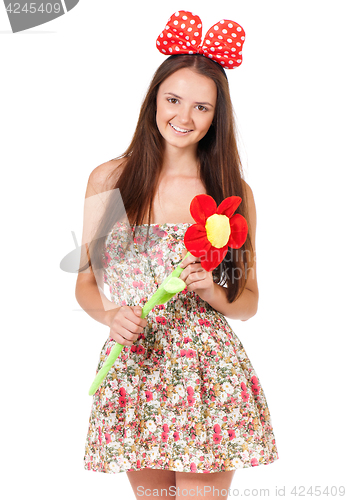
<point x="182" y="406"/>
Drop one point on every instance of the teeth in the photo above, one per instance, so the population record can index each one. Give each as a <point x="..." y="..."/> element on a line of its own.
<point x="179" y="129"/>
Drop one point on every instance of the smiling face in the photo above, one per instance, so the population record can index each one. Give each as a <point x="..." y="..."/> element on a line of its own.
<point x="186" y="103"/>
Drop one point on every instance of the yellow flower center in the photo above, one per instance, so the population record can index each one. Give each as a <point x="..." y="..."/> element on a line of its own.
<point x="218" y="230"/>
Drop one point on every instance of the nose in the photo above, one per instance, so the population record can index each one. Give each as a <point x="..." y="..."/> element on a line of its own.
<point x="184" y="114"/>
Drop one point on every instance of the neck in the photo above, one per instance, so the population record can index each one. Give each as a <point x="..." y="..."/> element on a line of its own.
<point x="180" y="162"/>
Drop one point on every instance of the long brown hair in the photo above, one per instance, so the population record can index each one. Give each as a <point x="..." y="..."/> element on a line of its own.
<point x="219" y="162"/>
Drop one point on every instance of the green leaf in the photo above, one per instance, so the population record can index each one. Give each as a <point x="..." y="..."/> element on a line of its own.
<point x="175" y="285"/>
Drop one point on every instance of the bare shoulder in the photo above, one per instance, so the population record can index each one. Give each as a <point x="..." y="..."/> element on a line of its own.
<point x="100" y="180"/>
<point x="104" y="177"/>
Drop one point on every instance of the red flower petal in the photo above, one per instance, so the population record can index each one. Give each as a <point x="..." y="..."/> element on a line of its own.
<point x="213" y="258"/>
<point x="229" y="205"/>
<point x="196" y="241"/>
<point x="202" y="206"/>
<point x="239" y="229"/>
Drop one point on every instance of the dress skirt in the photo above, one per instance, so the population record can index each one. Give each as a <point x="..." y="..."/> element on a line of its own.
<point x="185" y="396"/>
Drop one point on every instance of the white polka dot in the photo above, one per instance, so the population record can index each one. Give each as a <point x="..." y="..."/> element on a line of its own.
<point x="208" y="42"/>
<point x="186" y="37"/>
<point x="167" y="28"/>
<point x="161" y="35"/>
<point x="183" y="26"/>
<point x="216" y="43"/>
<point x="242" y="38"/>
<point x="184" y="18"/>
<point x="234" y="35"/>
<point x="190" y="29"/>
<point x="239" y="60"/>
<point x="193" y="42"/>
<point x="174" y="29"/>
<point x="170" y="49"/>
<point x="216" y="27"/>
<point x="229" y="40"/>
<point x="180" y="33"/>
<point x="238" y="44"/>
<point x="176" y="22"/>
<point x="220" y="37"/>
<point x="221" y="22"/>
<point x="169" y="35"/>
<point x="177" y="48"/>
<point x="238" y="29"/>
<point x="184" y="47"/>
<point x="192" y="21"/>
<point x="158" y="43"/>
<point x="181" y="43"/>
<point x="213" y="49"/>
<point x="230" y="25"/>
<point x="222" y="62"/>
<point x="188" y="43"/>
<point x="224" y="31"/>
<point x="164" y="51"/>
<point x="165" y="42"/>
<point x="177" y="14"/>
<point x="210" y="55"/>
<point x="196" y="33"/>
<point x="219" y="56"/>
<point x="211" y="35"/>
<point x="199" y="26"/>
<point x="191" y="52"/>
<point x="231" y="62"/>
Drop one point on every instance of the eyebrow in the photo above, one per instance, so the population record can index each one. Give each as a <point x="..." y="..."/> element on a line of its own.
<point x="178" y="97"/>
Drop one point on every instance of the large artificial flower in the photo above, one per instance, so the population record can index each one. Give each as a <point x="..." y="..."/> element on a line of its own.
<point x="216" y="229"/>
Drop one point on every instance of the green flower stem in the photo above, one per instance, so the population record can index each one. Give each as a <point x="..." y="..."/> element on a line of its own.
<point x="169" y="287"/>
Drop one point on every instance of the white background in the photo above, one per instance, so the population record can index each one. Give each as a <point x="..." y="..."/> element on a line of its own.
<point x="70" y="95"/>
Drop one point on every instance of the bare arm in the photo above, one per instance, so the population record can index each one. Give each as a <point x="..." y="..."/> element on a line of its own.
<point x="243" y="308"/>
<point x="88" y="295"/>
<point x="125" y="322"/>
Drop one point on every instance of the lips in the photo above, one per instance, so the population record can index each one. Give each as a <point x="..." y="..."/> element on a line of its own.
<point x="179" y="129"/>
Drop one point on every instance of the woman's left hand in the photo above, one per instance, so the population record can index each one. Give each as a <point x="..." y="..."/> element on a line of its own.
<point x="196" y="278"/>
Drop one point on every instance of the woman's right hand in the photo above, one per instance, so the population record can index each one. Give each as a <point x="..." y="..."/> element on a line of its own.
<point x="126" y="324"/>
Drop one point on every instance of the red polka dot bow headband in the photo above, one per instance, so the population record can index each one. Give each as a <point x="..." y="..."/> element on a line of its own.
<point x="222" y="43"/>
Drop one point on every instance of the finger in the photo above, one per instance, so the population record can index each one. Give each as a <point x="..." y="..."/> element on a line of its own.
<point x="142" y="322"/>
<point x="199" y="276"/>
<point x="128" y="324"/>
<point x="131" y="316"/>
<point x="190" y="269"/>
<point x="188" y="260"/>
<point x="123" y="336"/>
<point x="138" y="312"/>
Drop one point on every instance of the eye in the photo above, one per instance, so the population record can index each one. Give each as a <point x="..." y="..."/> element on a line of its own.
<point x="170" y="99"/>
<point x="201" y="107"/>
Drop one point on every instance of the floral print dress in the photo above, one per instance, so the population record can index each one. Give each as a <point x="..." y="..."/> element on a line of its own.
<point x="184" y="396"/>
